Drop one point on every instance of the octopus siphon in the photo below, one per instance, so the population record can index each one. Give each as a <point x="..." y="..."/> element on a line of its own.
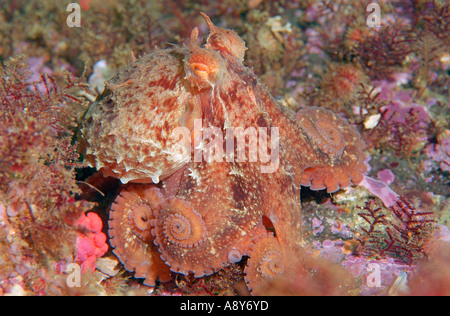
<point x="212" y="163"/>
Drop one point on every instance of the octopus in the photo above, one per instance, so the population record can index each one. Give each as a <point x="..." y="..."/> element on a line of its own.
<point x="197" y="196"/>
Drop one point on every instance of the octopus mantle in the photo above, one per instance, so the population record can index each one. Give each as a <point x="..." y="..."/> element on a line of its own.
<point x="188" y="215"/>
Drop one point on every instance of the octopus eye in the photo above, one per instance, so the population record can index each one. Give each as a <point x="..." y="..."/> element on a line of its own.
<point x="200" y="70"/>
<point x="204" y="68"/>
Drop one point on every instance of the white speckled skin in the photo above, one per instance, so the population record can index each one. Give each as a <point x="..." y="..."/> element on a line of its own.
<point x="127" y="132"/>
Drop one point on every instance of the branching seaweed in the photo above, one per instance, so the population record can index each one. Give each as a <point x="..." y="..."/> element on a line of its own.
<point x="392" y="134"/>
<point x="384" y="51"/>
<point x="38" y="191"/>
<point x="400" y="232"/>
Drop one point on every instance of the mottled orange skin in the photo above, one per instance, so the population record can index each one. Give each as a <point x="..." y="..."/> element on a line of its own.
<point x="203" y="216"/>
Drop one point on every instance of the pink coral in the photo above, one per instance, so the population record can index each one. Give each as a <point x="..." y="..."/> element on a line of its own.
<point x="92" y="243"/>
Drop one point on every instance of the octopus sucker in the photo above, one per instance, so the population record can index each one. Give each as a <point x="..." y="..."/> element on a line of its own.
<point x="180" y="225"/>
<point x="162" y="124"/>
<point x="342" y="146"/>
<point x="266" y="262"/>
<point x="180" y="234"/>
<point x="130" y="233"/>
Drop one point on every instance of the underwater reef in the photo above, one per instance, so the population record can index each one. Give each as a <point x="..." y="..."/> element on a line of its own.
<point x="350" y="99"/>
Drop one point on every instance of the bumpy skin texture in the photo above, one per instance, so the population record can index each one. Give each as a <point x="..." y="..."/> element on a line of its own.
<point x="204" y="214"/>
<point x="129" y="127"/>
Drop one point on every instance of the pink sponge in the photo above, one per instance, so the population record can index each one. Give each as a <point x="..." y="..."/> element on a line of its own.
<point x="91" y="244"/>
<point x="381" y="190"/>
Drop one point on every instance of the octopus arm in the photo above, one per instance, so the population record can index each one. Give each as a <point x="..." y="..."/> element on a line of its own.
<point x="130" y="233"/>
<point x="338" y="160"/>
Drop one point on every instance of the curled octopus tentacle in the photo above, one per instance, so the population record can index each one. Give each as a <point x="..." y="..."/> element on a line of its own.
<point x="130" y="233"/>
<point x="266" y="263"/>
<point x="340" y="162"/>
<point x="180" y="234"/>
